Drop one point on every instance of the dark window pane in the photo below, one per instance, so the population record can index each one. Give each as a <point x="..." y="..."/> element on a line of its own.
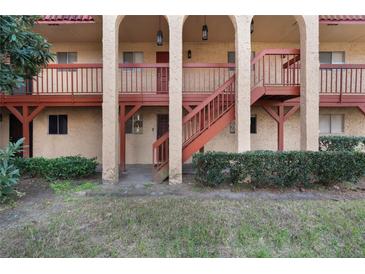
<point x="62" y="57"/>
<point x="52" y="124"/>
<point x="325" y="57"/>
<point x="62" y="124"/>
<point x="128" y="57"/>
<point x="128" y="126"/>
<point x="231" y="57"/>
<point x="253" y="124"/>
<point x="71" y="57"/>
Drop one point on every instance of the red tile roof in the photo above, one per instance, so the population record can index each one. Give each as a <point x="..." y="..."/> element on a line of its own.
<point x="66" y="19"/>
<point x="342" y="19"/>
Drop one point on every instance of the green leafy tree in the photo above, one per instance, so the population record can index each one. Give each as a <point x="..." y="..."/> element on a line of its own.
<point x="22" y="52"/>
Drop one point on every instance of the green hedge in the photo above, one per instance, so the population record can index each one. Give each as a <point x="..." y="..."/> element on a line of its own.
<point x="62" y="168"/>
<point x="342" y="143"/>
<point x="279" y="169"/>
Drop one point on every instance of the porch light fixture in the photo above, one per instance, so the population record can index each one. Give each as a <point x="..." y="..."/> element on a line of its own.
<point x="205" y="30"/>
<point x="189" y="54"/>
<point x="252" y="26"/>
<point x="159" y="36"/>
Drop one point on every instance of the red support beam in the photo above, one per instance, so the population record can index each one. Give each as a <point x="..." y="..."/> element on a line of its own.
<point x="187" y="108"/>
<point x="362" y="108"/>
<point x="132" y="112"/>
<point x="280" y="117"/>
<point x="26" y="134"/>
<point x="16" y="113"/>
<point x="122" y="136"/>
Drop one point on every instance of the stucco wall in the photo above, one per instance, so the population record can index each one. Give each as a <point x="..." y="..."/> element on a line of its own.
<point x="83" y="138"/>
<point x="139" y="146"/>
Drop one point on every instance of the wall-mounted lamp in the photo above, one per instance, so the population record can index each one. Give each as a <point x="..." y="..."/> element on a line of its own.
<point x="205" y="30"/>
<point x="159" y="35"/>
<point x="189" y="54"/>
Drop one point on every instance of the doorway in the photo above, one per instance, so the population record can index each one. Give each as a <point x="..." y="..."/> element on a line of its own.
<point x="162" y="73"/>
<point x="162" y="124"/>
<point x="16" y="133"/>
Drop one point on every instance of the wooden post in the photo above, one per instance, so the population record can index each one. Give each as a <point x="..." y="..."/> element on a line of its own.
<point x="280" y="123"/>
<point x="122" y="136"/>
<point x="26" y="134"/>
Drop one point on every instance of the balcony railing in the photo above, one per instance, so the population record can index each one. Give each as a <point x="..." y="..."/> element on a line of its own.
<point x="144" y="78"/>
<point x="205" y="77"/>
<point x="342" y="79"/>
<point x="268" y="69"/>
<point x="276" y="68"/>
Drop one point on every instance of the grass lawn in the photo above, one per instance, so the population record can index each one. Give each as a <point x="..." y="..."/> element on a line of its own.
<point x="187" y="227"/>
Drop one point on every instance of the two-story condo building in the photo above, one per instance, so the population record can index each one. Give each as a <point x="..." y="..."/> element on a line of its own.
<point x="157" y="89"/>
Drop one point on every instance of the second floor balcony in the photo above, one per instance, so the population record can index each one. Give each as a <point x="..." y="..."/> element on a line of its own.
<point x="271" y="70"/>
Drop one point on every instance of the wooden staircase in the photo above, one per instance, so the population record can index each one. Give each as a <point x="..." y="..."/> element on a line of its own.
<point x="201" y="125"/>
<point x="213" y="114"/>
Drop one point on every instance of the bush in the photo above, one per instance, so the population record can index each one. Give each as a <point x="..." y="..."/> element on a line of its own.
<point x="9" y="173"/>
<point x="342" y="143"/>
<point x="62" y="168"/>
<point x="279" y="169"/>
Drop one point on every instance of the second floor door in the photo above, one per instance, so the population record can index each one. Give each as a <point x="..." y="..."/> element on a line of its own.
<point x="162" y="73"/>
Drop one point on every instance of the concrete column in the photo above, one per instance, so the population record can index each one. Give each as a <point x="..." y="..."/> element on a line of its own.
<point x="175" y="99"/>
<point x="110" y="142"/>
<point x="309" y="86"/>
<point x="243" y="82"/>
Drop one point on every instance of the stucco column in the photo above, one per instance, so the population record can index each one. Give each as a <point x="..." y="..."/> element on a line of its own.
<point x="309" y="85"/>
<point x="110" y="149"/>
<point x="243" y="82"/>
<point x="175" y="99"/>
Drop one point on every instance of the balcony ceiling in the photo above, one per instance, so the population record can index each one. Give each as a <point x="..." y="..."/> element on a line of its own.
<point x="275" y="28"/>
<point x="342" y="33"/>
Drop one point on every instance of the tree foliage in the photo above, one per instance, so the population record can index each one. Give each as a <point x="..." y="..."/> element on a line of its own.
<point x="22" y="51"/>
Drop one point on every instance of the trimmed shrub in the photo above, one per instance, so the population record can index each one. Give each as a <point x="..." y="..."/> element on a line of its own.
<point x="279" y="169"/>
<point x="62" y="168"/>
<point x="342" y="143"/>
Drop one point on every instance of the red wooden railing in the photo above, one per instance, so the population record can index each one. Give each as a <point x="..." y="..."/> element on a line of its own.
<point x="144" y="78"/>
<point x="342" y="79"/>
<point x="68" y="79"/>
<point x="209" y="111"/>
<point x="198" y="120"/>
<point x="205" y="77"/>
<point x="160" y="151"/>
<point x="276" y="67"/>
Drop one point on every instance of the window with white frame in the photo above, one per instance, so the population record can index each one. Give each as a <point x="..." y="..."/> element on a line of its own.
<point x="133" y="57"/>
<point x="66" y="57"/>
<point x="332" y="57"/>
<point x="331" y="123"/>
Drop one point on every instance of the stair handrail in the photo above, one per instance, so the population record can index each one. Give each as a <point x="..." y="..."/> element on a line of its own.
<point x="208" y="99"/>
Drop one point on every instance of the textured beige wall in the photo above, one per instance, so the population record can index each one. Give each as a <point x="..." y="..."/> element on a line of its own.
<point x="83" y="138"/>
<point x="139" y="146"/>
<point x="4" y="129"/>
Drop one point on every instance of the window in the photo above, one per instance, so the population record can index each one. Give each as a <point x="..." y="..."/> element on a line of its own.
<point x="66" y="57"/>
<point x="231" y="59"/>
<point x="332" y="57"/>
<point x="331" y="123"/>
<point x="135" y="57"/>
<point x="134" y="125"/>
<point x="57" y="124"/>
<point x="253" y="126"/>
